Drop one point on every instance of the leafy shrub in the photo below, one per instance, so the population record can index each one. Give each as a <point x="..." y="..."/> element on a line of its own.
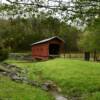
<point x="3" y="54"/>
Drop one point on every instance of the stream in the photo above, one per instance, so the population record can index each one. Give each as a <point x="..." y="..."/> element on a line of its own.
<point x="58" y="96"/>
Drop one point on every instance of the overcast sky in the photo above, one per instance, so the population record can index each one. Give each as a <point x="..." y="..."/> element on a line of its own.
<point x="4" y="1"/>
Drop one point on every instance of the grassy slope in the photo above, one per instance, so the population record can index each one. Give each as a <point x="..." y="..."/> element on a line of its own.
<point x="76" y="78"/>
<point x="10" y="90"/>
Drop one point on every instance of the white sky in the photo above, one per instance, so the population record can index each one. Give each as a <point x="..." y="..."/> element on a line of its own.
<point x="4" y="1"/>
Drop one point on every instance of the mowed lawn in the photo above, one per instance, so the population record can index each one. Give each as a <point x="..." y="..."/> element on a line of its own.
<point x="10" y="90"/>
<point x="77" y="79"/>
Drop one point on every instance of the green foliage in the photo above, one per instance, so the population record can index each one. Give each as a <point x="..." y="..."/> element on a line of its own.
<point x="70" y="35"/>
<point x="86" y="10"/>
<point x="3" y="54"/>
<point x="18" y="34"/>
<point x="90" y="40"/>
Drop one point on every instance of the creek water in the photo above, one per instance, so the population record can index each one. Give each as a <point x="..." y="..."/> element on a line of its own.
<point x="59" y="96"/>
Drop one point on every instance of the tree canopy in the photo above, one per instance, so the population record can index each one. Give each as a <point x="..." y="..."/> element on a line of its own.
<point x="18" y="34"/>
<point x="80" y="11"/>
<point x="90" y="40"/>
<point x="23" y="22"/>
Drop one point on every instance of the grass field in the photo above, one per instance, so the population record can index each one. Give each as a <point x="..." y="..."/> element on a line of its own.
<point x="10" y="90"/>
<point x="77" y="79"/>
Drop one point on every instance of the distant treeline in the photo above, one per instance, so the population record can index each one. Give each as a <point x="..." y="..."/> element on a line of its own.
<point x="18" y="34"/>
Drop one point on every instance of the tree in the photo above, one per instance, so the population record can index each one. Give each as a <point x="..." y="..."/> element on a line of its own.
<point x="3" y="53"/>
<point x="81" y="11"/>
<point x="70" y="35"/>
<point x="90" y="41"/>
<point x="18" y="34"/>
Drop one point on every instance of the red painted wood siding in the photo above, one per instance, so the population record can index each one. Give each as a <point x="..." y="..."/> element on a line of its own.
<point x="40" y="50"/>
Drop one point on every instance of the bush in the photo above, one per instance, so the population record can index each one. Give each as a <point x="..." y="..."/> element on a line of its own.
<point x="3" y="54"/>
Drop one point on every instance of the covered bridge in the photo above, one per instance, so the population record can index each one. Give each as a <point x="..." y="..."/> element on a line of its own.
<point x="47" y="48"/>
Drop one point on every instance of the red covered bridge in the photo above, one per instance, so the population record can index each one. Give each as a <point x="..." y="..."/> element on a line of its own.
<point x="47" y="48"/>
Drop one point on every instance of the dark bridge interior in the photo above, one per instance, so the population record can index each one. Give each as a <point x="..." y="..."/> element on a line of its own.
<point x="54" y="49"/>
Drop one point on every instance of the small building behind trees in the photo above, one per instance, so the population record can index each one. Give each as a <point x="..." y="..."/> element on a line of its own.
<point x="48" y="48"/>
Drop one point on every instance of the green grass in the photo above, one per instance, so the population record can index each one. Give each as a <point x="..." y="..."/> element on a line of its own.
<point x="76" y="78"/>
<point x="10" y="90"/>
